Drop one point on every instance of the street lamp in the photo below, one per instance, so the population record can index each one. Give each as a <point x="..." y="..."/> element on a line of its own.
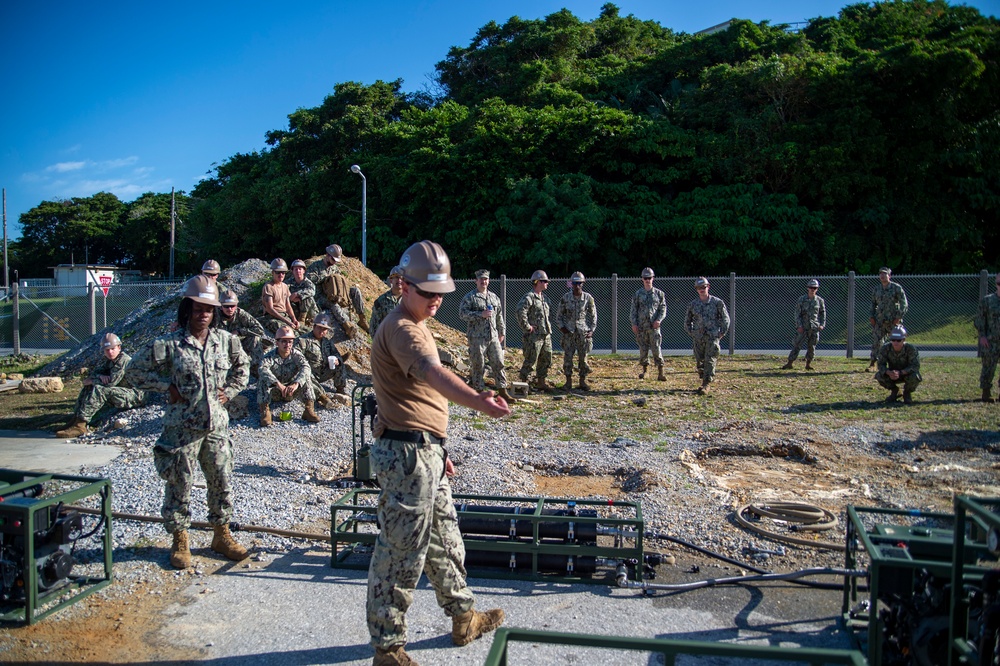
<point x="364" y="214"/>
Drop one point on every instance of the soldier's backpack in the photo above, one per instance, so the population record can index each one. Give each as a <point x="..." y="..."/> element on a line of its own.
<point x="336" y="289"/>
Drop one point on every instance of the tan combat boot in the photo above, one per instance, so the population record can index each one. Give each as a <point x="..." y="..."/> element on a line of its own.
<point x="787" y="366"/>
<point x="265" y="415"/>
<point x="76" y="428"/>
<point x="542" y="385"/>
<point x="907" y="398"/>
<point x="363" y="322"/>
<point x="894" y="395"/>
<point x="324" y="401"/>
<point x="309" y="413"/>
<point x="660" y="377"/>
<point x="350" y="330"/>
<point x="224" y="544"/>
<point x="987" y="395"/>
<point x="703" y="389"/>
<point x="809" y="364"/>
<point x="394" y="656"/>
<point x="568" y="386"/>
<point x="506" y="396"/>
<point x="871" y="366"/>
<point x="584" y="386"/>
<point x="642" y="371"/>
<point x="180" y="551"/>
<point x="469" y="626"/>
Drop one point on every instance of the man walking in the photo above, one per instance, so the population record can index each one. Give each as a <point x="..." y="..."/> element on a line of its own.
<point x="480" y="309"/>
<point x="810" y="319"/>
<point x="533" y="316"/>
<point x="649" y="309"/>
<point x="889" y="306"/>
<point x="707" y="322"/>
<point x="577" y="320"/>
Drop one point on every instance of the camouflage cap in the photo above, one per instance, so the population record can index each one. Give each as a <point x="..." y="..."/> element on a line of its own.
<point x="701" y="282"/>
<point x="813" y="283"/>
<point x="110" y="340"/>
<point x="482" y="273"/>
<point x="898" y="333"/>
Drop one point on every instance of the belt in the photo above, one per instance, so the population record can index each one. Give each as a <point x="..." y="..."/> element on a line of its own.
<point x="415" y="436"/>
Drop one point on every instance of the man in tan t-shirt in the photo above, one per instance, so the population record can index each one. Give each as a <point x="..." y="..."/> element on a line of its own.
<point x="419" y="525"/>
<point x="277" y="301"/>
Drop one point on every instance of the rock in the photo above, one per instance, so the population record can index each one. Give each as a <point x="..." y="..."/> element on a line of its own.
<point x="14" y="376"/>
<point x="639" y="402"/>
<point x="118" y="424"/>
<point x="41" y="385"/>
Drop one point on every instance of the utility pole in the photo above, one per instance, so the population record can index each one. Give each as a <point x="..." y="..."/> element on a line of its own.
<point x="173" y="218"/>
<point x="6" y="282"/>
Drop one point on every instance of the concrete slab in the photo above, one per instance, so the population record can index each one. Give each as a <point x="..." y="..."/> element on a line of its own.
<point x="42" y="451"/>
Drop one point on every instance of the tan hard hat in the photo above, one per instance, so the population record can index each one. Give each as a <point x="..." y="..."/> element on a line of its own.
<point x="426" y="265"/>
<point x="279" y="265"/>
<point x="577" y="277"/>
<point x="539" y="275"/>
<point x="323" y="321"/>
<point x="298" y="263"/>
<point x="397" y="271"/>
<point x="284" y="332"/>
<point x="334" y="252"/>
<point x="647" y="272"/>
<point x="211" y="267"/>
<point x="229" y="298"/>
<point x="110" y="340"/>
<point x="201" y="290"/>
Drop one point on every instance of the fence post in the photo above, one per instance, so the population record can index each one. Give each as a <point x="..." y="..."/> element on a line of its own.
<point x="732" y="315"/>
<point x="92" y="295"/>
<point x="984" y="283"/>
<point x="614" y="313"/>
<point x="15" y="319"/>
<point x="850" y="314"/>
<point x="503" y="308"/>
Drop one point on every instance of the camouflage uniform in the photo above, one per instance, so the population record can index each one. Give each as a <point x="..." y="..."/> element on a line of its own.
<point x="889" y="306"/>
<point x="649" y="308"/>
<point x="906" y="360"/>
<point x="294" y="369"/>
<point x="988" y="325"/>
<point x="382" y="306"/>
<point x="306" y="309"/>
<point x="316" y="353"/>
<point x="706" y="323"/>
<point x="533" y="310"/>
<point x="250" y="332"/>
<point x="118" y="392"/>
<point x="319" y="271"/>
<point x="484" y="337"/>
<point x="810" y="316"/>
<point x="196" y="428"/>
<point x="578" y="316"/>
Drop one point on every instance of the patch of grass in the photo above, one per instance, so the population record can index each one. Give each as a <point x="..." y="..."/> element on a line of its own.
<point x="38" y="411"/>
<point x="26" y="364"/>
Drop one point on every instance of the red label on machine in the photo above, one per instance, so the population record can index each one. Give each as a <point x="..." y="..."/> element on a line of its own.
<point x="105" y="283"/>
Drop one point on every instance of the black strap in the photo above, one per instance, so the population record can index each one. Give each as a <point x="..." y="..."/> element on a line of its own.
<point x="415" y="436"/>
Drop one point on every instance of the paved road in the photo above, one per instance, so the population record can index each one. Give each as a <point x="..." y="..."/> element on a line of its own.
<point x="42" y="451"/>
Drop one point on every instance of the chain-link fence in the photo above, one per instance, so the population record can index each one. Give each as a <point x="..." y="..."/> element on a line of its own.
<point x="941" y="309"/>
<point x="54" y="318"/>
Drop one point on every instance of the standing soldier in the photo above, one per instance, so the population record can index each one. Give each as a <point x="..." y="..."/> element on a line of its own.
<point x="898" y="363"/>
<point x="649" y="309"/>
<point x="302" y="294"/>
<point x="388" y="301"/>
<point x="333" y="293"/>
<point x="284" y="375"/>
<point x="276" y="299"/>
<point x="325" y="361"/>
<point x="244" y="326"/>
<point x="107" y="384"/>
<point x="707" y="322"/>
<point x="888" y="309"/>
<point x="577" y="321"/>
<point x="533" y="316"/>
<point x="201" y="368"/>
<point x="480" y="309"/>
<point x="419" y="527"/>
<point x="810" y="319"/>
<point x="988" y="325"/>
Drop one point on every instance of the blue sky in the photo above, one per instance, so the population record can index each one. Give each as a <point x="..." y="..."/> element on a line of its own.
<point x="132" y="97"/>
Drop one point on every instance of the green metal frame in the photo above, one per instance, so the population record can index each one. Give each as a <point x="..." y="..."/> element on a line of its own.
<point x="974" y="512"/>
<point x="357" y="431"/>
<point x="670" y="649"/>
<point x="345" y="535"/>
<point x="25" y="509"/>
<point x="932" y="549"/>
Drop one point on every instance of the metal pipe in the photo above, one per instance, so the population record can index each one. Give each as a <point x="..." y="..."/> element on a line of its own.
<point x="624" y="582"/>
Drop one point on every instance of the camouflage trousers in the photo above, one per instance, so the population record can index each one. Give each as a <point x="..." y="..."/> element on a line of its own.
<point x="326" y="374"/>
<point x="808" y="338"/>
<point x="175" y="455"/>
<point x="706" y="355"/>
<point x="579" y="345"/>
<point x="880" y="335"/>
<point x="265" y="394"/>
<point x="306" y="310"/>
<point x="339" y="312"/>
<point x="480" y="350"/>
<point x="649" y="343"/>
<point x="419" y="533"/>
<point x="272" y="324"/>
<point x="537" y="355"/>
<point x="95" y="396"/>
<point x="909" y="382"/>
<point x="989" y="357"/>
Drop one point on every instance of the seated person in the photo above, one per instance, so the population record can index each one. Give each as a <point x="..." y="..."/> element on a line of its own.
<point x="318" y="348"/>
<point x="244" y="326"/>
<point x="105" y="385"/>
<point x="276" y="299"/>
<point x="284" y="375"/>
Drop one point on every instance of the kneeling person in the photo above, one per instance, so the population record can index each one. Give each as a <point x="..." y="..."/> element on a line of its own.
<point x="285" y="374"/>
<point x="319" y="348"/>
<point x="106" y="385"/>
<point x="898" y="363"/>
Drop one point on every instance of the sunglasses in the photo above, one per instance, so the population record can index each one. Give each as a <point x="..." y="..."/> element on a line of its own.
<point x="546" y="281"/>
<point x="279" y="272"/>
<point x="424" y="294"/>
<point x="812" y="288"/>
